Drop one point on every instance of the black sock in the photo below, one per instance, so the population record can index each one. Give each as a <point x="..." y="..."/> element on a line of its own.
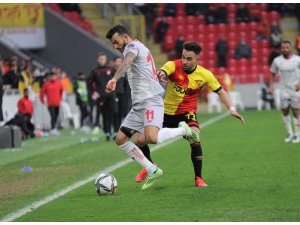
<point x="197" y="159"/>
<point x="146" y="151"/>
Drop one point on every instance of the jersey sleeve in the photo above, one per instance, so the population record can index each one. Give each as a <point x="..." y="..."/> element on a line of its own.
<point x="274" y="67"/>
<point x="212" y="82"/>
<point x="133" y="48"/>
<point x="168" y="68"/>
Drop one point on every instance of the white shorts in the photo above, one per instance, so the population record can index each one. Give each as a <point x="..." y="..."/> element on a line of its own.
<point x="290" y="99"/>
<point x="149" y="112"/>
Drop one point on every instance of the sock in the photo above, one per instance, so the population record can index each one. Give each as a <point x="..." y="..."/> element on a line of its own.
<point x="296" y="127"/>
<point x="197" y="157"/>
<point x="166" y="134"/>
<point x="135" y="153"/>
<point x="146" y="151"/>
<point x="287" y="124"/>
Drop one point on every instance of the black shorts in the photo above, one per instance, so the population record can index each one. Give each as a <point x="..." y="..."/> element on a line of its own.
<point x="172" y="121"/>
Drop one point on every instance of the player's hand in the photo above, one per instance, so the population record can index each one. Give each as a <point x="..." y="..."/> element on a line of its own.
<point x="161" y="76"/>
<point x="236" y="115"/>
<point x="298" y="87"/>
<point x="111" y="85"/>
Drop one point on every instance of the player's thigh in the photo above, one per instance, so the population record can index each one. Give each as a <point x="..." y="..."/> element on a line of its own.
<point x="134" y="120"/>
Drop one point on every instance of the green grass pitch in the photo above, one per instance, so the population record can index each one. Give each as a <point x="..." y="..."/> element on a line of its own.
<point x="252" y="175"/>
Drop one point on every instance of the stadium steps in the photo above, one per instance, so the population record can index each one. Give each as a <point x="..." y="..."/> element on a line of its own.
<point x="92" y="13"/>
<point x="289" y="29"/>
<point x="101" y="26"/>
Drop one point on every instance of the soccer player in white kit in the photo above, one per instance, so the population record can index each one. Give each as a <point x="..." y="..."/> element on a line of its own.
<point x="146" y="115"/>
<point x="288" y="67"/>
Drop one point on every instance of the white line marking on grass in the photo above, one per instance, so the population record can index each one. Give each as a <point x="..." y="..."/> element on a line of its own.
<point x="37" y="204"/>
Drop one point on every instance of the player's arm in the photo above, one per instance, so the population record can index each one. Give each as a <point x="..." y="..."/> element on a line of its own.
<point x="126" y="64"/>
<point x="273" y="71"/>
<point x="228" y="103"/>
<point x="165" y="71"/>
<point x="272" y="79"/>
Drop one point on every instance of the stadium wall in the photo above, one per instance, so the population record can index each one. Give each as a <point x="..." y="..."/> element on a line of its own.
<point x="69" y="47"/>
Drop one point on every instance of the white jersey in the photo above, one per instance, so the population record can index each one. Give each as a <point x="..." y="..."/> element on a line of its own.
<point x="142" y="76"/>
<point x="289" y="72"/>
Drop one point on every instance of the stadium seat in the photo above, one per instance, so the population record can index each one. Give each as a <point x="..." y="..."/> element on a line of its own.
<point x="200" y="37"/>
<point x="243" y="27"/>
<point x="191" y="29"/>
<point x="191" y="20"/>
<point x="231" y="7"/>
<point x="232" y="27"/>
<point x="211" y="29"/>
<point x="171" y="20"/>
<point x="221" y="28"/>
<point x="264" y="16"/>
<point x="265" y="44"/>
<point x="214" y="102"/>
<point x="199" y="19"/>
<point x="180" y="9"/>
<point x="237" y="100"/>
<point x="180" y="30"/>
<point x="169" y="43"/>
<point x="253" y="26"/>
<point x="254" y="44"/>
<point x="200" y="28"/>
<point x="189" y="36"/>
<point x="274" y="17"/>
<point x="180" y="20"/>
<point x="263" y="7"/>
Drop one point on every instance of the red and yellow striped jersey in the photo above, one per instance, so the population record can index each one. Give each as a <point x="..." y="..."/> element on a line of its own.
<point x="183" y="89"/>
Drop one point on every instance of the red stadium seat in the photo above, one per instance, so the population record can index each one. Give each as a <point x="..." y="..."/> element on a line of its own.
<point x="169" y="43"/>
<point x="211" y="37"/>
<point x="170" y="20"/>
<point x="274" y="17"/>
<point x="180" y="20"/>
<point x="200" y="19"/>
<point x="200" y="37"/>
<point x="222" y="28"/>
<point x="253" y="26"/>
<point x="190" y="28"/>
<point x="180" y="9"/>
<point x="263" y="7"/>
<point x="200" y="28"/>
<point x="231" y="7"/>
<point x="189" y="37"/>
<point x="231" y="17"/>
<point x="254" y="43"/>
<point x="180" y="30"/>
<point x="242" y="63"/>
<point x="232" y="27"/>
<point x="232" y="63"/>
<point x="211" y="28"/>
<point x="255" y="53"/>
<point x="243" y="27"/>
<point x="191" y="20"/>
<point x="264" y="17"/>
<point x="265" y="44"/>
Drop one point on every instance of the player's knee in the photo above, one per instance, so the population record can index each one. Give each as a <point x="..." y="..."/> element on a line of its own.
<point x="151" y="139"/>
<point x="140" y="140"/>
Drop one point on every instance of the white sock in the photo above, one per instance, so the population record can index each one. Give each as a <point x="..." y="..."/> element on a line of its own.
<point x="287" y="124"/>
<point x="135" y="153"/>
<point x="296" y="127"/>
<point x="165" y="134"/>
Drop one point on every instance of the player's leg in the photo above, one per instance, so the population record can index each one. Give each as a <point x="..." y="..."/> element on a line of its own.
<point x="287" y="119"/>
<point x="196" y="149"/>
<point x="296" y="138"/>
<point x="140" y="141"/>
<point x="131" y="124"/>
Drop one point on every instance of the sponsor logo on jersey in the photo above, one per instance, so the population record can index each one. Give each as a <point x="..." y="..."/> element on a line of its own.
<point x="186" y="91"/>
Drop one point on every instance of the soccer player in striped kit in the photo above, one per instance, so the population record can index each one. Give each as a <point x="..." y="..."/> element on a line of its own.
<point x="185" y="81"/>
<point x="146" y="115"/>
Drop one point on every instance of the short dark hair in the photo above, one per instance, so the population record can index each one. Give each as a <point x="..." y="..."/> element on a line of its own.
<point x="286" y="42"/>
<point x="116" y="57"/>
<point x="101" y="54"/>
<point x="120" y="29"/>
<point x="192" y="46"/>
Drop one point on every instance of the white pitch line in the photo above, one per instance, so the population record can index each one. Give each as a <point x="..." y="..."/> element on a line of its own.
<point x="49" y="198"/>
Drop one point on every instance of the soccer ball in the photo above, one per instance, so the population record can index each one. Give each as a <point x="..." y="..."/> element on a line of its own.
<point x="106" y="184"/>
